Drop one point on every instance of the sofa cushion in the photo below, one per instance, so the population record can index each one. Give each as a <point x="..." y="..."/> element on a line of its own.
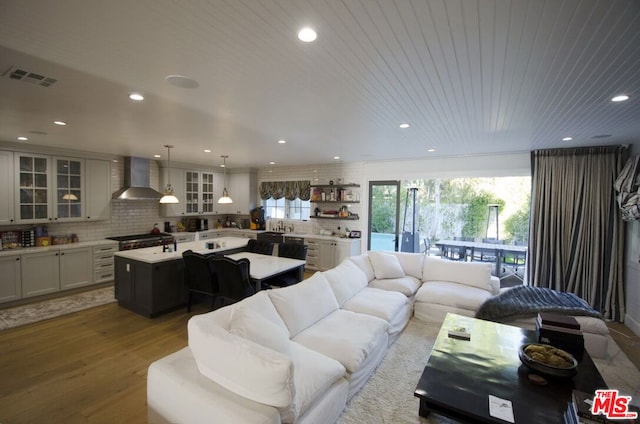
<point x="452" y="294"/>
<point x="412" y="263"/>
<point x="261" y="304"/>
<point x="376" y="302"/>
<point x="364" y="263"/>
<point x="253" y="326"/>
<point x="346" y="280"/>
<point x="408" y="285"/>
<point x="241" y="366"/>
<point x="474" y="274"/>
<point x="305" y="303"/>
<point x="385" y="265"/>
<point x="348" y="337"/>
<point x="314" y="373"/>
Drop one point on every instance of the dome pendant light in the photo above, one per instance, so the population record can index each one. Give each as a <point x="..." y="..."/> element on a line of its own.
<point x="168" y="196"/>
<point x="225" y="199"/>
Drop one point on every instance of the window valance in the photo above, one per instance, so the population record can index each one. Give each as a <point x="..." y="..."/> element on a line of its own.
<point x="290" y="190"/>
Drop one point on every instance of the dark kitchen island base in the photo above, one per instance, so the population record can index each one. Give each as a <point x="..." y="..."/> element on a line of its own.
<point x="149" y="289"/>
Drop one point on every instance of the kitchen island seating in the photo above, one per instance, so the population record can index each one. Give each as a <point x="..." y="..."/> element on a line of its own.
<point x="200" y="277"/>
<point x="233" y="278"/>
<point x="297" y="354"/>
<point x="260" y="246"/>
<point x="292" y="251"/>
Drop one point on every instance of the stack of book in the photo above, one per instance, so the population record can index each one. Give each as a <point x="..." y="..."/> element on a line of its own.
<point x="561" y="331"/>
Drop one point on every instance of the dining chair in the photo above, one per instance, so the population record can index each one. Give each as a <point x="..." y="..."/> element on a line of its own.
<point x="262" y="247"/>
<point x="292" y="251"/>
<point x="200" y="277"/>
<point x="233" y="278"/>
<point x="461" y="253"/>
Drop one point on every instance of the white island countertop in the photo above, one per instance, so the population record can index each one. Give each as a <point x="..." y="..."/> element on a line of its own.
<point x="155" y="254"/>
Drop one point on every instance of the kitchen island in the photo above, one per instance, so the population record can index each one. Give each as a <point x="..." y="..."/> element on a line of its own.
<point x="149" y="281"/>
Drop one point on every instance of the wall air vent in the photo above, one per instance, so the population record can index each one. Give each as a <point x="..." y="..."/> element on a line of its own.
<point x="20" y="74"/>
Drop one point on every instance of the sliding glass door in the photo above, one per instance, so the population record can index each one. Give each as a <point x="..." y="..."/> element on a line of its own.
<point x="384" y="211"/>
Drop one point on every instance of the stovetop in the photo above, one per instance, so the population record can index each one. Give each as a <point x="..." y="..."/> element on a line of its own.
<point x="145" y="236"/>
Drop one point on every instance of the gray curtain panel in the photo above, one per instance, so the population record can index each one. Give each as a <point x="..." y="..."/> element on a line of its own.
<point x="576" y="234"/>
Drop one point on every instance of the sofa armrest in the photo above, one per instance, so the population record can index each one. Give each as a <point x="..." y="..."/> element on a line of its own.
<point x="177" y="392"/>
<point x="495" y="285"/>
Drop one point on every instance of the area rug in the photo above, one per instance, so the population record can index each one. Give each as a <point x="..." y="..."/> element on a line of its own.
<point x="46" y="309"/>
<point x="387" y="398"/>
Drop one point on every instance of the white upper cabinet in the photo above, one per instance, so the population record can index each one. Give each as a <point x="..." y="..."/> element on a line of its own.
<point x="98" y="190"/>
<point x="33" y="193"/>
<point x="7" y="189"/>
<point x="48" y="189"/>
<point x="243" y="190"/>
<point x="68" y="198"/>
<point x="195" y="192"/>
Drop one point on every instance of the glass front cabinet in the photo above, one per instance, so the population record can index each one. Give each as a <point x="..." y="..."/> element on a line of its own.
<point x="33" y="197"/>
<point x="199" y="192"/>
<point x="49" y="189"/>
<point x="69" y="190"/>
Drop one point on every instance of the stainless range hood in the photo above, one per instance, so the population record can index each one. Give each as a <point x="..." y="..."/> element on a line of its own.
<point x="136" y="181"/>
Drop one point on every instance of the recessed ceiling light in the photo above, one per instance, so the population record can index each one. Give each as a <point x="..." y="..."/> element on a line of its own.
<point x="182" y="81"/>
<point x="282" y="141"/>
<point x="207" y="151"/>
<point x="567" y="139"/>
<point x="404" y="125"/>
<point x="307" y="35"/>
<point x="620" y="98"/>
<point x="21" y="138"/>
<point x="431" y="150"/>
<point x="61" y="123"/>
<point x="336" y="157"/>
<point x="156" y="156"/>
<point x="272" y="163"/>
<point x="136" y="96"/>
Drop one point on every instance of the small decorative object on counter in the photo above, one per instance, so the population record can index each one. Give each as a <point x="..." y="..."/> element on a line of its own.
<point x="74" y="238"/>
<point x="219" y="224"/>
<point x="155" y="229"/>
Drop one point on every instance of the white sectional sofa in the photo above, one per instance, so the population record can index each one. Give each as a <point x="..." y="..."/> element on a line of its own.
<point x="299" y="353"/>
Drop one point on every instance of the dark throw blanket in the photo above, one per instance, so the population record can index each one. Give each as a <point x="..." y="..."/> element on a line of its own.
<point x="526" y="302"/>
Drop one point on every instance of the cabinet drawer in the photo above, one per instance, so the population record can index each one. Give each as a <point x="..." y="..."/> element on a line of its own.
<point x="104" y="249"/>
<point x="103" y="258"/>
<point x="103" y="266"/>
<point x="103" y="275"/>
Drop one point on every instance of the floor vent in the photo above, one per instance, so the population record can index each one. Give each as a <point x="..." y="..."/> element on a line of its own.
<point x="20" y="74"/>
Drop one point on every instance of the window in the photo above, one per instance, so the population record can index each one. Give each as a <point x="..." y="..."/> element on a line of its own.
<point x="290" y="209"/>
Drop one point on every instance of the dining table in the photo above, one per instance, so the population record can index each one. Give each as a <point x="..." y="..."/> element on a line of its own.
<point x="263" y="267"/>
<point x="499" y="251"/>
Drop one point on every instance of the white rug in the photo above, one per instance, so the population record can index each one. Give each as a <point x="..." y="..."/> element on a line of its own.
<point x="46" y="309"/>
<point x="387" y="398"/>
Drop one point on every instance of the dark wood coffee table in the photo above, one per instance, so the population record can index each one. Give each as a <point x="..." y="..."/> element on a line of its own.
<point x="460" y="375"/>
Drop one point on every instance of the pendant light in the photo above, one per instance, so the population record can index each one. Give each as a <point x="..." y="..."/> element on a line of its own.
<point x="168" y="196"/>
<point x="225" y="199"/>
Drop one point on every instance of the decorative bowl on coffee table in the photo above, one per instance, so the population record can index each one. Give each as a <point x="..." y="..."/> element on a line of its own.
<point x="548" y="360"/>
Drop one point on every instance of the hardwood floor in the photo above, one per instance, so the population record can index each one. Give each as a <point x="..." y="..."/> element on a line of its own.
<point x="91" y="366"/>
<point x="87" y="367"/>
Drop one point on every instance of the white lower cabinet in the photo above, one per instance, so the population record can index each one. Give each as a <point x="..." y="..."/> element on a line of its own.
<point x="10" y="282"/>
<point x="40" y="273"/>
<point x="55" y="270"/>
<point x="323" y="254"/>
<point x="76" y="268"/>
<point x="103" y="263"/>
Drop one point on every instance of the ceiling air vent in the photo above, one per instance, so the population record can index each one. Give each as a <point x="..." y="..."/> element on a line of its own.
<point x="20" y="74"/>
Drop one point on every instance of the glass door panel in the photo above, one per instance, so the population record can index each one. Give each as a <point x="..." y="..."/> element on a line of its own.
<point x="384" y="213"/>
<point x="34" y="188"/>
<point x="192" y="192"/>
